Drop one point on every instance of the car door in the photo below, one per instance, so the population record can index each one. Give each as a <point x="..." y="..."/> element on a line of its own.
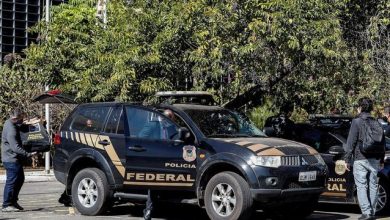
<point x="156" y="159"/>
<point x="112" y="141"/>
<point x="340" y="181"/>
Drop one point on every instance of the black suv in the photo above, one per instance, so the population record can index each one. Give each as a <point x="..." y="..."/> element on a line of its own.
<point x="328" y="135"/>
<point x="108" y="151"/>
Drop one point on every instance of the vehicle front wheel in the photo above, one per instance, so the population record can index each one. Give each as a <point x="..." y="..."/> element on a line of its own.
<point x="228" y="196"/>
<point x="383" y="204"/>
<point x="90" y="192"/>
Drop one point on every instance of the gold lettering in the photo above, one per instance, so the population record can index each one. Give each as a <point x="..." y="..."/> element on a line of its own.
<point x="150" y="177"/>
<point x="140" y="176"/>
<point x="170" y="177"/>
<point x="130" y="175"/>
<point x="180" y="177"/>
<point x="160" y="177"/>
<point x="335" y="187"/>
<point x="189" y="178"/>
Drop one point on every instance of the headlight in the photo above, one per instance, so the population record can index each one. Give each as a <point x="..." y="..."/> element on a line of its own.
<point x="319" y="159"/>
<point x="267" y="161"/>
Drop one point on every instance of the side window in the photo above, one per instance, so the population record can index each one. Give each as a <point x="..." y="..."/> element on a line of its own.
<point x="115" y="124"/>
<point x="148" y="124"/>
<point x="89" y="119"/>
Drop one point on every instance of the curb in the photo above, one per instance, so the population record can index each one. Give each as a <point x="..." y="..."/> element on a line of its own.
<point x="35" y="176"/>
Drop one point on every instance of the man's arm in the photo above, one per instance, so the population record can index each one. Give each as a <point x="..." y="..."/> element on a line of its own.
<point x="14" y="144"/>
<point x="352" y="140"/>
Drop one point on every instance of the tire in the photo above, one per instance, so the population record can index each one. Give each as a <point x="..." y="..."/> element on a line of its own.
<point x="239" y="192"/>
<point x="90" y="192"/>
<point x="297" y="210"/>
<point x="383" y="204"/>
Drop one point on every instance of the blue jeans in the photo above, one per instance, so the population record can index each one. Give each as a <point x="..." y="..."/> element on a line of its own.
<point x="14" y="182"/>
<point x="366" y="180"/>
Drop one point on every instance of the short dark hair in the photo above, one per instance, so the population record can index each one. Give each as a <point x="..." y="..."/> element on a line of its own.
<point x="16" y="113"/>
<point x="386" y="110"/>
<point x="287" y="107"/>
<point x="366" y="104"/>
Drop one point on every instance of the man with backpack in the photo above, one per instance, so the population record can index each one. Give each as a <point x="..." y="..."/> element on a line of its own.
<point x="365" y="148"/>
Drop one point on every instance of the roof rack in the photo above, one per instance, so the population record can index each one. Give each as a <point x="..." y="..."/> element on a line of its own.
<point x="185" y="97"/>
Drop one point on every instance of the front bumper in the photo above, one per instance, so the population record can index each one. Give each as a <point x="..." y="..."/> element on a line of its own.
<point x="285" y="195"/>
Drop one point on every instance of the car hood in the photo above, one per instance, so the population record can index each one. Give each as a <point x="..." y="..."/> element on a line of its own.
<point x="271" y="146"/>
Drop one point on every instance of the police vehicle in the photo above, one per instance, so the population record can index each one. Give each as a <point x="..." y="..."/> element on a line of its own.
<point x="113" y="151"/>
<point x="328" y="134"/>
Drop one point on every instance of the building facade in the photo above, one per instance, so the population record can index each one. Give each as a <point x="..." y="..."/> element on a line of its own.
<point x="16" y="16"/>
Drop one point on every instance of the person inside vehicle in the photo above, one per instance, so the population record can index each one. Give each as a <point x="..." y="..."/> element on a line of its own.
<point x="281" y="125"/>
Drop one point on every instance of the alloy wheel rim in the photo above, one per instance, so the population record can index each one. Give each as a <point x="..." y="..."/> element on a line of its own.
<point x="223" y="199"/>
<point x="87" y="192"/>
<point x="382" y="198"/>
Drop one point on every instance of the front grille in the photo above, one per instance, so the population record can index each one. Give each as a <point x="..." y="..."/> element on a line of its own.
<point x="290" y="161"/>
<point x="300" y="185"/>
<point x="293" y="185"/>
<point x="299" y="160"/>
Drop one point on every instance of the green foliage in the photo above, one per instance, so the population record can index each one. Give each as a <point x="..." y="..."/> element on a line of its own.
<point x="311" y="53"/>
<point x="259" y="115"/>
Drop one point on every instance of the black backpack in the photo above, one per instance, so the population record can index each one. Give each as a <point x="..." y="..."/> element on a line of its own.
<point x="372" y="138"/>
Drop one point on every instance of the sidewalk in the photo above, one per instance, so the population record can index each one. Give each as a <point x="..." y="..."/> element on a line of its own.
<point x="33" y="176"/>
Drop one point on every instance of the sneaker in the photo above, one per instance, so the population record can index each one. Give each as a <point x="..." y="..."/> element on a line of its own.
<point x="9" y="209"/>
<point x="16" y="205"/>
<point x="365" y="217"/>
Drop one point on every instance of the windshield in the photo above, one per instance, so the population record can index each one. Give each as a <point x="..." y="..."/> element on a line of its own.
<point x="224" y="123"/>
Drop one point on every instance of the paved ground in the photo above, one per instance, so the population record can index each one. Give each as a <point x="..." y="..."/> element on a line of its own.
<point x="40" y="201"/>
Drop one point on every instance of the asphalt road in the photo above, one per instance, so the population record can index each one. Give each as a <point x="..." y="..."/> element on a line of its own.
<point x="40" y="202"/>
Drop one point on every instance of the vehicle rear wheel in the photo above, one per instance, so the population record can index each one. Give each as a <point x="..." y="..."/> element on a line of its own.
<point x="227" y="196"/>
<point x="90" y="192"/>
<point x="383" y="204"/>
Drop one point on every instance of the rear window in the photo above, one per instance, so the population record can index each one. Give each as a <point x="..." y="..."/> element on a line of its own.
<point x="89" y="119"/>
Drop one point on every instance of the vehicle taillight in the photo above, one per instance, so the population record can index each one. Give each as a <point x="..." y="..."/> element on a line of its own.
<point x="57" y="139"/>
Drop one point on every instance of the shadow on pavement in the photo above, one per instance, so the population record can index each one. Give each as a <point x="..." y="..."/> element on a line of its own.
<point x="192" y="212"/>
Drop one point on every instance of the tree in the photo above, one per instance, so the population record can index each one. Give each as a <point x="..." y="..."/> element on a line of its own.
<point x="242" y="51"/>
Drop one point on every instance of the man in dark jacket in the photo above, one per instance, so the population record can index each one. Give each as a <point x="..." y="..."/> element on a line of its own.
<point x="365" y="167"/>
<point x="386" y="114"/>
<point x="12" y="154"/>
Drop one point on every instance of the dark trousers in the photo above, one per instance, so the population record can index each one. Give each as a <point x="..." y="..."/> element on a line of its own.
<point x="14" y="182"/>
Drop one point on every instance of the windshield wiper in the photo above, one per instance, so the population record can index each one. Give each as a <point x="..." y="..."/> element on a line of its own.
<point x="257" y="135"/>
<point x="229" y="135"/>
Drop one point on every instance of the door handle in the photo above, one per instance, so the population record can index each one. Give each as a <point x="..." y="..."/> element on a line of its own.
<point x="104" y="142"/>
<point x="137" y="148"/>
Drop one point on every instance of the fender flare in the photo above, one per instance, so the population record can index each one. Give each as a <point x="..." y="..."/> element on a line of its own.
<point x="94" y="155"/>
<point x="229" y="159"/>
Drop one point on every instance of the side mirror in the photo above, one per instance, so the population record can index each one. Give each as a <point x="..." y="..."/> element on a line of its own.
<point x="336" y="150"/>
<point x="184" y="134"/>
<point x="269" y="131"/>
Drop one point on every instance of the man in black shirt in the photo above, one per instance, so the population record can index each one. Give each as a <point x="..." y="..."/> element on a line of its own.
<point x="365" y="166"/>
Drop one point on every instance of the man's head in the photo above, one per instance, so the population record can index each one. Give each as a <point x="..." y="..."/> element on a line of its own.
<point x="386" y="112"/>
<point x="89" y="123"/>
<point x="365" y="105"/>
<point x="17" y="116"/>
<point x="169" y="113"/>
<point x="287" y="109"/>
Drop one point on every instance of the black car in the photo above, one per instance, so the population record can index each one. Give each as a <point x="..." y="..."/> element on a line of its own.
<point x="328" y="134"/>
<point x="109" y="151"/>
